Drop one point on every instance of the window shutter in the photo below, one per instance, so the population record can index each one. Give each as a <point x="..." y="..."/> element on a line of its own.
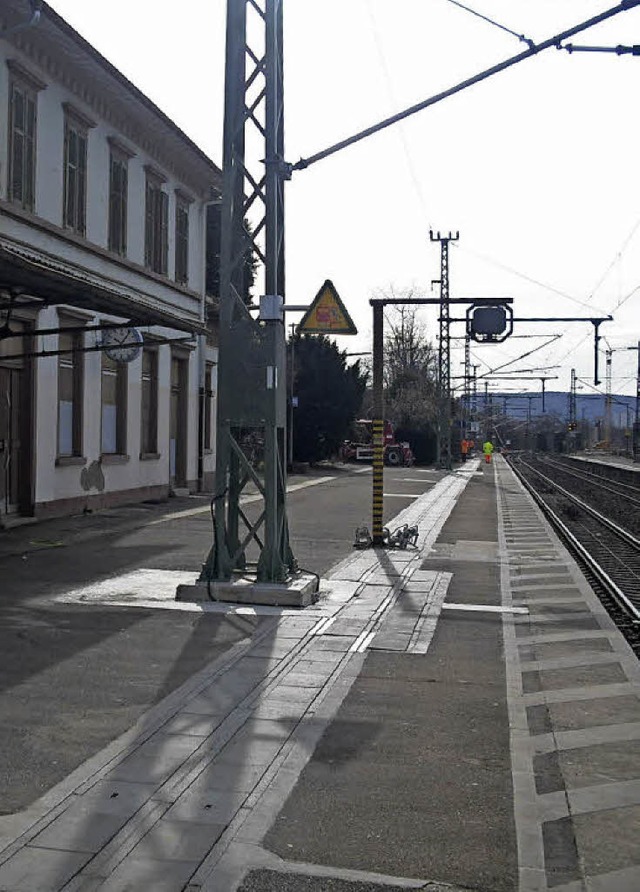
<point x="82" y="184"/>
<point x="164" y="231"/>
<point x="30" y="155"/>
<point x="17" y="144"/>
<point x="148" y="227"/>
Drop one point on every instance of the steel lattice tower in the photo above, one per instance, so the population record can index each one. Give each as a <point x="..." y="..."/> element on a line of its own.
<point x="251" y="419"/>
<point x="444" y="353"/>
<point x="466" y="401"/>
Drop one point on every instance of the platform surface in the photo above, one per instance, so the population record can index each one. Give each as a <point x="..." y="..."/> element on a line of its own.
<point x="462" y="715"/>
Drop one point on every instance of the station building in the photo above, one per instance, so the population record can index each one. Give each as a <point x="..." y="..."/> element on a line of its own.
<point x="107" y="361"/>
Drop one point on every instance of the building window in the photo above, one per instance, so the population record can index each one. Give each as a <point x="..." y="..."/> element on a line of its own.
<point x="75" y="175"/>
<point x="114" y="407"/>
<point x="118" y="187"/>
<point x="70" y="392"/>
<point x="156" y="225"/>
<point x="208" y="404"/>
<point x="182" y="240"/>
<point x="149" y="408"/>
<point x="22" y="143"/>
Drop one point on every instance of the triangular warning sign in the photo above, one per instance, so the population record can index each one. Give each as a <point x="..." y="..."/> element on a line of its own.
<point x="327" y="314"/>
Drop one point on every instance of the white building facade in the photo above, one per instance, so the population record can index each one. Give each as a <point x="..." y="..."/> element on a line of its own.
<point x="102" y="222"/>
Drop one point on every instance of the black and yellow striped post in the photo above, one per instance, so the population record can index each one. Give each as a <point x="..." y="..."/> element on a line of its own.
<point x="378" y="481"/>
<point x="378" y="424"/>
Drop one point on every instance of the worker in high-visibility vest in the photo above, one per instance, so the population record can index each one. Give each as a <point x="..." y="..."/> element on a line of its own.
<point x="487" y="448"/>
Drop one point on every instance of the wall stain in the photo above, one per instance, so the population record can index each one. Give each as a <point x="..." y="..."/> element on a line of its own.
<point x="92" y="477"/>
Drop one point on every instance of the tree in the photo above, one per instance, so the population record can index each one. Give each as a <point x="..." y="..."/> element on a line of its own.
<point x="410" y="371"/>
<point x="329" y="396"/>
<point x="214" y="233"/>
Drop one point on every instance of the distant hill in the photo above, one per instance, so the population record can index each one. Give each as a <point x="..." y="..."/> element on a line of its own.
<point x="589" y="407"/>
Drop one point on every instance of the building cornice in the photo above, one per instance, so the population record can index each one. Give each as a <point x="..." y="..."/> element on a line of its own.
<point x="14" y="210"/>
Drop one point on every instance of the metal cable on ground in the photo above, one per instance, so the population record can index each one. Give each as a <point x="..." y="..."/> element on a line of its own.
<point x="401" y="537"/>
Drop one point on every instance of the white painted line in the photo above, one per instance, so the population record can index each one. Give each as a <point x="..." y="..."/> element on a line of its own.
<point x="402" y="495"/>
<point x="244" y="500"/>
<point x="362" y="470"/>
<point x="222" y="607"/>
<point x="364" y="644"/>
<point x="490" y="608"/>
<point x="322" y="626"/>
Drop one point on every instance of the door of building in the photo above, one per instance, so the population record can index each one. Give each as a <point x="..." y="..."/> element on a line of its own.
<point x="14" y="451"/>
<point x="178" y="422"/>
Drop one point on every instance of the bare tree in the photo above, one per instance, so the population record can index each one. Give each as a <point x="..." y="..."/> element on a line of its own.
<point x="409" y="365"/>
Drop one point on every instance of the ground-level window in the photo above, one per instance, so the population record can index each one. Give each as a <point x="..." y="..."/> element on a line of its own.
<point x="114" y="406"/>
<point x="178" y="420"/>
<point x="70" y="387"/>
<point x="149" y="408"/>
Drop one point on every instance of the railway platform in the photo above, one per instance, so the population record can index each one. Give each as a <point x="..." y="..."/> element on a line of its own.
<point x="459" y="715"/>
<point x="625" y="462"/>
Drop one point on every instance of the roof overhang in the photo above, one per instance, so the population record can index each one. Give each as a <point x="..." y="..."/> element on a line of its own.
<point x="50" y="280"/>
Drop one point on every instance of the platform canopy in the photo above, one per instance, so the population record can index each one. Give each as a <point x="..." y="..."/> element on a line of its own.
<point x="35" y="278"/>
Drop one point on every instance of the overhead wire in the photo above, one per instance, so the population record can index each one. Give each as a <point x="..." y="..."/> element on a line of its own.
<point x="485" y="18"/>
<point x="618" y="256"/>
<point x="523" y="355"/>
<point x="392" y="96"/>
<point x="421" y="197"/>
<point x="524" y="276"/>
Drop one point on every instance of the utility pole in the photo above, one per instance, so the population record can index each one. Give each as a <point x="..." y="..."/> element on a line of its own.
<point x="636" y="423"/>
<point x="474" y="398"/>
<point x="608" y="403"/>
<point x="292" y="372"/>
<point x="635" y="439"/>
<point x="466" y="399"/>
<point x="444" y="353"/>
<point x="543" y="381"/>
<point x="573" y="422"/>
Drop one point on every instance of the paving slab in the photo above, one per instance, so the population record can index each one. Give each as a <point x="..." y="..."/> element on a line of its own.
<point x="325" y="762"/>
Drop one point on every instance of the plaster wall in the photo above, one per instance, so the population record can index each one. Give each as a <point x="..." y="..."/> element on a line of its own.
<point x="42" y="231"/>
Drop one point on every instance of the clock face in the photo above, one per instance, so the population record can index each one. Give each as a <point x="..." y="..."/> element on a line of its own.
<point x="122" y="344"/>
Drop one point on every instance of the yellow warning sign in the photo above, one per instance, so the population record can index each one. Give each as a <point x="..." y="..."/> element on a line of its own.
<point x="327" y="314"/>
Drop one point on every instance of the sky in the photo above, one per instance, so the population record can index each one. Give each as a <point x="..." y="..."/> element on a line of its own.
<point x="535" y="168"/>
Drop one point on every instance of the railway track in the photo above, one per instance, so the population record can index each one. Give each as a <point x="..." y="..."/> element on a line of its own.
<point x="617" y="500"/>
<point x="598" y="520"/>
